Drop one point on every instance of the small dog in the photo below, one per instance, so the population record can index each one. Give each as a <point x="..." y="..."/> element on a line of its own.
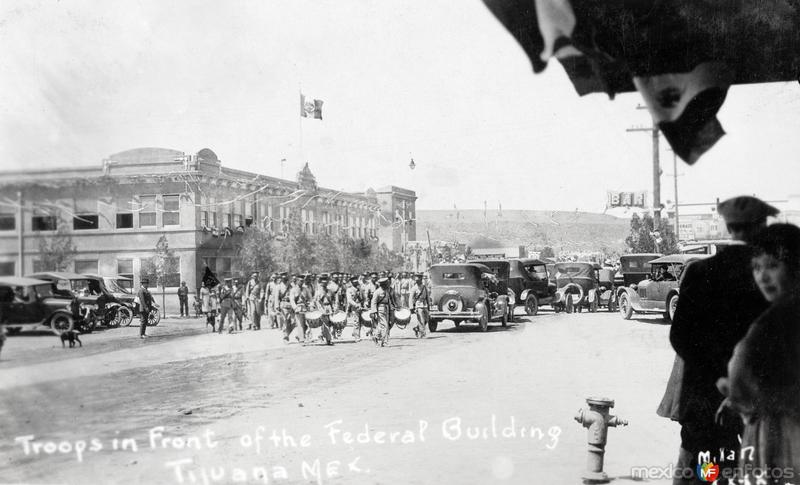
<point x="72" y="337"/>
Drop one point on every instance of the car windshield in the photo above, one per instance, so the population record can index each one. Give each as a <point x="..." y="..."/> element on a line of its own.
<point x="574" y="269"/>
<point x="116" y="286"/>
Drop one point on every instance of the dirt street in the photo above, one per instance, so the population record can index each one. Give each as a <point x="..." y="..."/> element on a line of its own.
<point x="461" y="406"/>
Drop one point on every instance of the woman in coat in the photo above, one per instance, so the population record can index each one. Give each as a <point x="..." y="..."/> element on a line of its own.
<point x="763" y="382"/>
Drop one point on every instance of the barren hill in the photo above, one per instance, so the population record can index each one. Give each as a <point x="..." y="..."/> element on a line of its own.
<point x="563" y="231"/>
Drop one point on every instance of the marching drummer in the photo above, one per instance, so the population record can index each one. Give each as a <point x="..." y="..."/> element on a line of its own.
<point x="354" y="307"/>
<point x="421" y="302"/>
<point x="381" y="309"/>
<point x="324" y="303"/>
<point x="294" y="309"/>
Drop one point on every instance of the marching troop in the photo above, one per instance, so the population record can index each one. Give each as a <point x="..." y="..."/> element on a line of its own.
<point x="318" y="307"/>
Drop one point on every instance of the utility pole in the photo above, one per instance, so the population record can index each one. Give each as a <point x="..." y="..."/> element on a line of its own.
<point x="20" y="240"/>
<point x="656" y="172"/>
<point x="675" y="179"/>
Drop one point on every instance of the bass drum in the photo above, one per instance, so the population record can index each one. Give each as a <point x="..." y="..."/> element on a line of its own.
<point x="402" y="317"/>
<point x="314" y="319"/>
<point x="366" y="318"/>
<point x="339" y="320"/>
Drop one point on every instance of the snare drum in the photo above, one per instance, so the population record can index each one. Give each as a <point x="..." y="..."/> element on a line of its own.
<point x="339" y="320"/>
<point x="366" y="318"/>
<point x="314" y="318"/>
<point x="401" y="317"/>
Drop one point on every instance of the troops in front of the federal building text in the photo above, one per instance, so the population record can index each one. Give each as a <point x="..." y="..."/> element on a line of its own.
<point x="310" y="308"/>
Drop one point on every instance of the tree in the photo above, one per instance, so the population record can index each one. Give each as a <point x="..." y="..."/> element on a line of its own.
<point x="296" y="250"/>
<point x="57" y="251"/>
<point x="162" y="268"/>
<point x="327" y="254"/>
<point x="256" y="250"/>
<point x="644" y="238"/>
<point x="547" y="252"/>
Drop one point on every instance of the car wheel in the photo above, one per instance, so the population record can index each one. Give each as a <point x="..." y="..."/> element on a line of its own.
<point x="125" y="316"/>
<point x="13" y="330"/>
<point x="155" y="317"/>
<point x="569" y="306"/>
<point x="433" y="325"/>
<point x="62" y="323"/>
<point x="672" y="305"/>
<point x="531" y="305"/>
<point x="451" y="303"/>
<point x="625" y="308"/>
<point x="484" y="321"/>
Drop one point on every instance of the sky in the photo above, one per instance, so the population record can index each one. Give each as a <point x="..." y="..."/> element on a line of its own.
<point x="437" y="81"/>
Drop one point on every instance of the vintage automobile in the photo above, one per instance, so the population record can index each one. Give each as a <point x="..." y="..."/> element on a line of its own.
<point x="658" y="293"/>
<point x="91" y="292"/>
<point x="577" y="286"/>
<point x="633" y="268"/>
<point x="526" y="282"/>
<point x="29" y="302"/>
<point x="467" y="291"/>
<point x="120" y="287"/>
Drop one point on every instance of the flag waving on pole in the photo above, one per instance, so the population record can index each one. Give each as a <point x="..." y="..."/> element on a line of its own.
<point x="310" y="108"/>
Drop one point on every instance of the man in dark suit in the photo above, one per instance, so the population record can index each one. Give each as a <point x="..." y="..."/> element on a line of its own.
<point x="718" y="302"/>
<point x="145" y="306"/>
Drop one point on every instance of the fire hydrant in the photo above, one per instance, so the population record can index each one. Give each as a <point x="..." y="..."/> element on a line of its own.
<point x="598" y="421"/>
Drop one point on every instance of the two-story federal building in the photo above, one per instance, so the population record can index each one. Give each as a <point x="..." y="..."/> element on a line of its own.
<point x="116" y="212"/>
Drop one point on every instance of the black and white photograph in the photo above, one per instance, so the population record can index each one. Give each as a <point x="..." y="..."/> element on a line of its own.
<point x="400" y="242"/>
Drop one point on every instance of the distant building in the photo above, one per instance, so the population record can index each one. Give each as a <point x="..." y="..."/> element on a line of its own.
<point x="115" y="213"/>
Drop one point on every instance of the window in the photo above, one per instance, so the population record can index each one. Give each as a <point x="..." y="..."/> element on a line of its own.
<point x="7" y="222"/>
<point x="219" y="266"/>
<point x="44" y="223"/>
<point x="125" y="268"/>
<point x="172" y="210"/>
<point x="82" y="222"/>
<point x="125" y="220"/>
<point x="238" y="220"/>
<point x="7" y="268"/>
<point x="147" y="215"/>
<point x="228" y="220"/>
<point x="86" y="266"/>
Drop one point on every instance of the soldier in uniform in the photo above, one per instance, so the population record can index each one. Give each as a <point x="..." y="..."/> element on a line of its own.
<point x="239" y="299"/>
<point x="249" y="304"/>
<point x="268" y="296"/>
<point x="719" y="300"/>
<point x="354" y="306"/>
<point x="421" y="302"/>
<point x="299" y="298"/>
<point x="323" y="301"/>
<point x="226" y="306"/>
<point x="369" y="289"/>
<point x="381" y="307"/>
<point x="256" y="301"/>
<point x="285" y="313"/>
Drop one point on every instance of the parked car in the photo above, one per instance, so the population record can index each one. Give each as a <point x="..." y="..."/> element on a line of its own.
<point x="120" y="287"/>
<point x="577" y="286"/>
<point x="467" y="291"/>
<point x="91" y="292"/>
<point x="633" y="268"/>
<point x="29" y="302"/>
<point x="526" y="282"/>
<point x="658" y="293"/>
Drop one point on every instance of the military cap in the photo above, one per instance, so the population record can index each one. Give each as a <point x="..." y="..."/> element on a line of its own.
<point x="373" y="275"/>
<point x="145" y="281"/>
<point x="228" y="279"/>
<point x="745" y="210"/>
<point x="323" y="277"/>
<point x="383" y="281"/>
<point x="254" y="273"/>
<point x="382" y="274"/>
<point x="418" y="275"/>
<point x="354" y="279"/>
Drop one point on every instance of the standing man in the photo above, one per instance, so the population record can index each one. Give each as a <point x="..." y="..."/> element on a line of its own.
<point x="354" y="306"/>
<point x="381" y="309"/>
<point x="249" y="304"/>
<point x="299" y="298"/>
<point x="145" y="306"/>
<point x="718" y="302"/>
<point x="267" y="296"/>
<point x="226" y="308"/>
<point x="256" y="302"/>
<point x="420" y="302"/>
<point x="239" y="300"/>
<point x="183" y="299"/>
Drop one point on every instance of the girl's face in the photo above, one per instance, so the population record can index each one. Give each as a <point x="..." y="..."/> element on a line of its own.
<point x="772" y="277"/>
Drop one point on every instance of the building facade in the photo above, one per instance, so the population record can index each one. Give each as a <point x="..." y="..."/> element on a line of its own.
<point x="116" y="213"/>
